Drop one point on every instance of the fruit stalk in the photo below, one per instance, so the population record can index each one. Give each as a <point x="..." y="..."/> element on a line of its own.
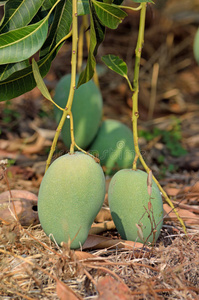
<point x="73" y="68"/>
<point x="135" y="112"/>
<point x="67" y="111"/>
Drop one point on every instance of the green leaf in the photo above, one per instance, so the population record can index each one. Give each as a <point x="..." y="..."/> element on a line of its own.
<point x="60" y="26"/>
<point x="110" y="16"/>
<point x="9" y="69"/>
<point x="40" y="83"/>
<point x="83" y="7"/>
<point x="116" y="64"/>
<point x="39" y="80"/>
<point x="48" y="4"/>
<point x="97" y="31"/>
<point x="20" y="44"/>
<point x="18" y="78"/>
<point x="23" y="80"/>
<point x="18" y="14"/>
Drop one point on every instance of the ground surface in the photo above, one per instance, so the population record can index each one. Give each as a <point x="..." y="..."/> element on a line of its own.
<point x="32" y="267"/>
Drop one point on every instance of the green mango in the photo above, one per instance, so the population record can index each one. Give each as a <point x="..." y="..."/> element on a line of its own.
<point x="114" y="146"/>
<point x="86" y="109"/>
<point x="130" y="203"/>
<point x="70" y="196"/>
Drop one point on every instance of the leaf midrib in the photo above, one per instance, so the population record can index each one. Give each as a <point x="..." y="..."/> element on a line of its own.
<point x="47" y="57"/>
<point x="12" y="15"/>
<point x="105" y="10"/>
<point x="32" y="32"/>
<point x="121" y="71"/>
<point x="24" y="37"/>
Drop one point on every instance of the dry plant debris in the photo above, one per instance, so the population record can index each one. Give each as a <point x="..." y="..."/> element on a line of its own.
<point x="32" y="267"/>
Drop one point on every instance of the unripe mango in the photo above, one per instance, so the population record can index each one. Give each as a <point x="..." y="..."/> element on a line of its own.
<point x="70" y="196"/>
<point x="86" y="109"/>
<point x="136" y="215"/>
<point x="114" y="146"/>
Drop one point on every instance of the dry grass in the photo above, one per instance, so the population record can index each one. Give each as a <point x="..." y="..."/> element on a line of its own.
<point x="30" y="266"/>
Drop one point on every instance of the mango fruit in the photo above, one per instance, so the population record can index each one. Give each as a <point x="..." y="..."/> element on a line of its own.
<point x="114" y="146"/>
<point x="71" y="194"/>
<point x="137" y="216"/>
<point x="86" y="109"/>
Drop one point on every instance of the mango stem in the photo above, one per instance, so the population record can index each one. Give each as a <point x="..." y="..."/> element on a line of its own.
<point x="67" y="110"/>
<point x="135" y="112"/>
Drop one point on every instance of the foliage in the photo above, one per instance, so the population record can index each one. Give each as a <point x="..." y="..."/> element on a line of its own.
<point x="117" y="65"/>
<point x="41" y="27"/>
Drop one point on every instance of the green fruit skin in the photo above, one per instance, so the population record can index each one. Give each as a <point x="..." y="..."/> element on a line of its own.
<point x="86" y="108"/>
<point x="70" y="196"/>
<point x="128" y="197"/>
<point x="196" y="46"/>
<point x="114" y="146"/>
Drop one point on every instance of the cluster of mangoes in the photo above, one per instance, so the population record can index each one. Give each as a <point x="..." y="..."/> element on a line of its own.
<point x="73" y="188"/>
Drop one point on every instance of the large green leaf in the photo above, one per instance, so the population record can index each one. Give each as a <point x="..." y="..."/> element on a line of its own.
<point x="110" y="16"/>
<point x="48" y="4"/>
<point x="43" y="12"/>
<point x="23" y="80"/>
<point x="19" y="44"/>
<point x="19" y="14"/>
<point x="97" y="31"/>
<point x="60" y="26"/>
<point x="8" y="69"/>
